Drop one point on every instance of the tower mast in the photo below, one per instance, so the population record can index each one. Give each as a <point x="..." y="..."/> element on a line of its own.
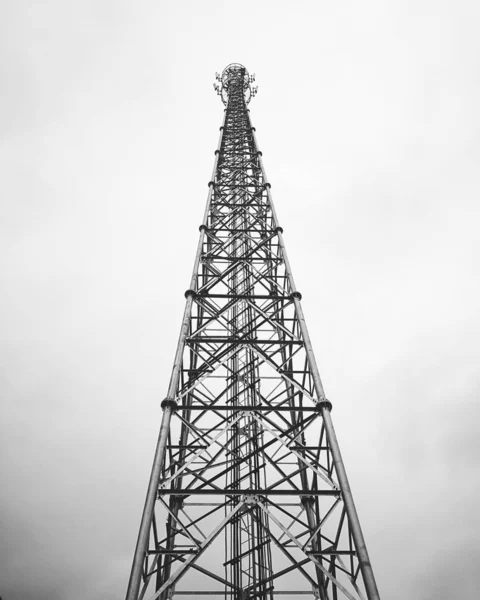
<point x="248" y="495"/>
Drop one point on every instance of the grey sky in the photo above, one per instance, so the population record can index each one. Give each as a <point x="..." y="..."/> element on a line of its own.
<point x="367" y="116"/>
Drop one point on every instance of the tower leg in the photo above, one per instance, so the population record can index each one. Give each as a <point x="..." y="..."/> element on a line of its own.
<point x="357" y="534"/>
<point x="143" y="534"/>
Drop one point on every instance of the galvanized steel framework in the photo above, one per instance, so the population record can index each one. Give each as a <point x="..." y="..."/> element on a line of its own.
<point x="248" y="496"/>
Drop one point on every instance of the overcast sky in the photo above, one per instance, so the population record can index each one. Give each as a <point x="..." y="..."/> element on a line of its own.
<point x="368" y="119"/>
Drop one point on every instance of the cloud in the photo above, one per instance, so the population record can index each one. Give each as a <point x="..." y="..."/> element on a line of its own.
<point x="367" y="116"/>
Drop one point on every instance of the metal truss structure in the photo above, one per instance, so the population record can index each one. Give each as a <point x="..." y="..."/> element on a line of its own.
<point x="248" y="496"/>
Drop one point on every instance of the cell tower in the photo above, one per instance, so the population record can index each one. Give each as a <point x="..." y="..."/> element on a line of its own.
<point x="248" y="496"/>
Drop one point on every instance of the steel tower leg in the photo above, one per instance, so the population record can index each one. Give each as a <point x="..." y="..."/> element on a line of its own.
<point x="145" y="525"/>
<point x="169" y="406"/>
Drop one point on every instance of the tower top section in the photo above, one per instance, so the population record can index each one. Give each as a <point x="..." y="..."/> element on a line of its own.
<point x="233" y="77"/>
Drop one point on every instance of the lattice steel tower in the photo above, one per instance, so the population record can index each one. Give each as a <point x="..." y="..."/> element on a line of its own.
<point x="248" y="496"/>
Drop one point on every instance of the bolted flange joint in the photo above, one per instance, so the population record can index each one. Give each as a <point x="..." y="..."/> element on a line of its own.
<point x="211" y="184"/>
<point x="189" y="293"/>
<point x="267" y="185"/>
<point x="259" y="153"/>
<point x="217" y="152"/>
<point x="278" y="229"/>
<point x="178" y="500"/>
<point x="203" y="227"/>
<point x="250" y="499"/>
<point x="306" y="500"/>
<point x="169" y="403"/>
<point x="296" y="295"/>
<point x="324" y="405"/>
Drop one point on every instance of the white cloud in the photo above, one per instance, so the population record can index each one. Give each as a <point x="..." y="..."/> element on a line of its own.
<point x="367" y="117"/>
